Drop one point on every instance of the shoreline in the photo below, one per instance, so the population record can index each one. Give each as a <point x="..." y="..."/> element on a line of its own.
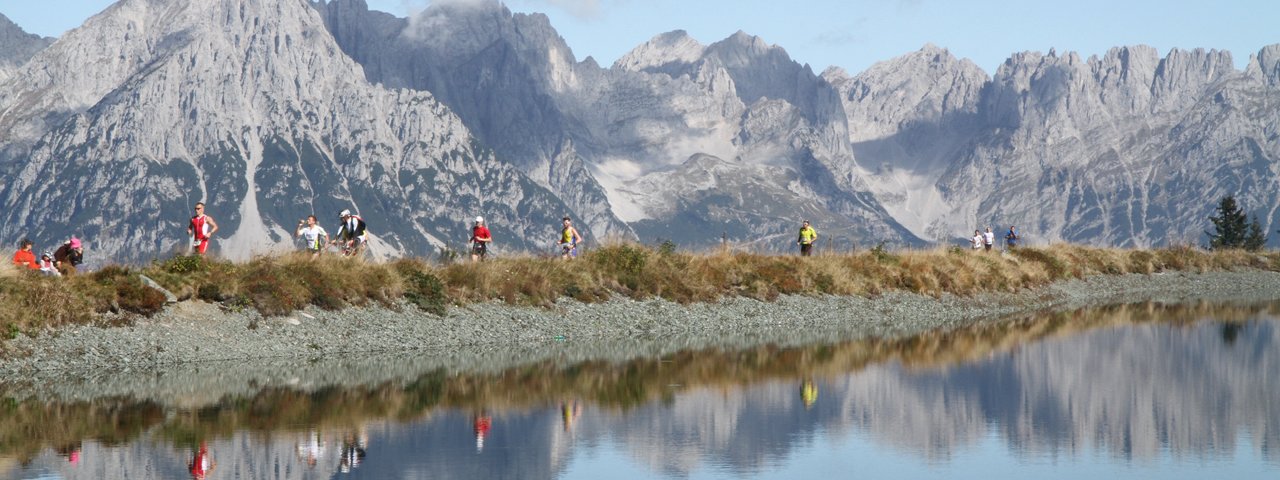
<point x="194" y="350"/>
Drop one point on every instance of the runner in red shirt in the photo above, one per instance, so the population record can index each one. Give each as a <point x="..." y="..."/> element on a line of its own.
<point x="480" y="239"/>
<point x="201" y="229"/>
<point x="202" y="464"/>
<point x="482" y="425"/>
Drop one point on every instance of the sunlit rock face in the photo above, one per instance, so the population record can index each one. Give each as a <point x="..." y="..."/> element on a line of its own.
<point x="1130" y="149"/>
<point x="251" y="107"/>
<point x="677" y="140"/>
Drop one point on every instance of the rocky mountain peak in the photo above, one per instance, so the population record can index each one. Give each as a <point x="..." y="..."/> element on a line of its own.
<point x="1267" y="64"/>
<point x="16" y="45"/>
<point x="742" y="49"/>
<point x="921" y="86"/>
<point x="661" y="53"/>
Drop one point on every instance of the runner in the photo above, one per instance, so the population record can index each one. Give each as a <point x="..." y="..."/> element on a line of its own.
<point x="1011" y="238"/>
<point x="311" y="235"/>
<point x="351" y="234"/>
<point x="977" y="240"/>
<point x="201" y="228"/>
<point x="202" y="463"/>
<point x="480" y="239"/>
<point x="569" y="239"/>
<point x="807" y="236"/>
<point x="482" y="425"/>
<point x="988" y="239"/>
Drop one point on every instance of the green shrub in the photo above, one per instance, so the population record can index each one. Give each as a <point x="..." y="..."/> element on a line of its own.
<point x="184" y="264"/>
<point x="624" y="262"/>
<point x="134" y="296"/>
<point x="426" y="291"/>
<point x="666" y="248"/>
<point x="882" y="254"/>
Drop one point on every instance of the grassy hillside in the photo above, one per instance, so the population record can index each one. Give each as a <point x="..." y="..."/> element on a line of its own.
<point x="280" y="285"/>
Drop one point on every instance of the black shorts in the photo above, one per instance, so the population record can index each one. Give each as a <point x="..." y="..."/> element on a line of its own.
<point x="806" y="249"/>
<point x="480" y="248"/>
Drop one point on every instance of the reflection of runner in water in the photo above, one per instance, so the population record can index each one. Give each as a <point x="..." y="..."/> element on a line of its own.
<point x="570" y="411"/>
<point x="201" y="463"/>
<point x="353" y="450"/>
<point x="808" y="393"/>
<point x="71" y="452"/>
<point x="312" y="449"/>
<point x="482" y="424"/>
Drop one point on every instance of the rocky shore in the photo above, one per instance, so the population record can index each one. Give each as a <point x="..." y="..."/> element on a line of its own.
<point x="195" y="351"/>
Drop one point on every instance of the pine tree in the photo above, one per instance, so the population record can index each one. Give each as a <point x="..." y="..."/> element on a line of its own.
<point x="1232" y="228"/>
<point x="1255" y="239"/>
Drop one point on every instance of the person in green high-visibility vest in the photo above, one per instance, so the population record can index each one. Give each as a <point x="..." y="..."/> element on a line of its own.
<point x="807" y="236"/>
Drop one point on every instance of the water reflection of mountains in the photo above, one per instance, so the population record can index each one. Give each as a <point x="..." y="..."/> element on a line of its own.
<point x="1134" y="381"/>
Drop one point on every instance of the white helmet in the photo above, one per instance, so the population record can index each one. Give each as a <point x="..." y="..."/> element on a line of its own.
<point x="479" y="219"/>
<point x="345" y="213"/>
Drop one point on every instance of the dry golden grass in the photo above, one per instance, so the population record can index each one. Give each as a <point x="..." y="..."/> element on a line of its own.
<point x="279" y="285"/>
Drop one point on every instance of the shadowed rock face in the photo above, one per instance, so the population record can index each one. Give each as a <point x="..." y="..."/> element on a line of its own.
<point x="252" y="108"/>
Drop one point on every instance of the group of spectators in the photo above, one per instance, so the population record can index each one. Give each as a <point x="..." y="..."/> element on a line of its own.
<point x="62" y="261"/>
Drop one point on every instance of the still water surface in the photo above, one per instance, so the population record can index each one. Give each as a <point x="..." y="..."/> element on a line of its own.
<point x="1139" y="391"/>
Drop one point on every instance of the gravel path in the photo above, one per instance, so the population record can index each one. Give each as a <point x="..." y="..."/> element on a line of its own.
<point x="194" y="352"/>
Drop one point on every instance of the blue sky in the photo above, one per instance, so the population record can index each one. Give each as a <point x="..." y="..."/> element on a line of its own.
<point x="850" y="33"/>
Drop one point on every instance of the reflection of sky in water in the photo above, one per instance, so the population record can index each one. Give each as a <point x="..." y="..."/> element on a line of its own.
<point x="1148" y="400"/>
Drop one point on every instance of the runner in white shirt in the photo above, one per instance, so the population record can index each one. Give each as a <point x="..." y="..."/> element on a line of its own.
<point x="313" y="236"/>
<point x="988" y="239"/>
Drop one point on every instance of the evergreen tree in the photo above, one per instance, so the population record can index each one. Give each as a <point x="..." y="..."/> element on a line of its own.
<point x="1232" y="228"/>
<point x="1255" y="240"/>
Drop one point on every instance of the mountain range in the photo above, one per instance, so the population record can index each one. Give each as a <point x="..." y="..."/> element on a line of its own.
<point x="270" y="110"/>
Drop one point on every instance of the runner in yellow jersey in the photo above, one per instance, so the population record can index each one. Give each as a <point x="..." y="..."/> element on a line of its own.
<point x="569" y="239"/>
<point x="807" y="236"/>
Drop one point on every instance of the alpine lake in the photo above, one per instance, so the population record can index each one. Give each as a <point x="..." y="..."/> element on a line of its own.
<point x="1129" y="391"/>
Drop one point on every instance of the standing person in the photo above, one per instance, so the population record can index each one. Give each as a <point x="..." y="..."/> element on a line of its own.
<point x="807" y="236"/>
<point x="351" y="234"/>
<point x="569" y="239"/>
<point x="201" y="229"/>
<point x="24" y="257"/>
<point x="480" y="238"/>
<point x="313" y="235"/>
<point x="977" y="240"/>
<point x="988" y="239"/>
<point x="1011" y="238"/>
<point x="68" y="256"/>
